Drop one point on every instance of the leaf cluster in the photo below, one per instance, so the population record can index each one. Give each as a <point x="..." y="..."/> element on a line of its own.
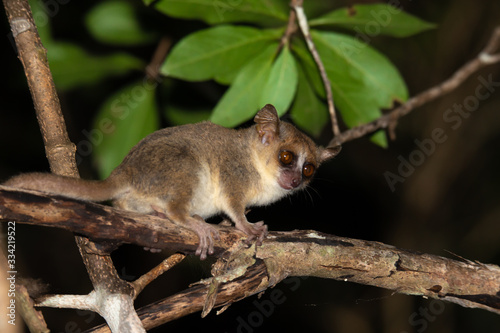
<point x="243" y="48"/>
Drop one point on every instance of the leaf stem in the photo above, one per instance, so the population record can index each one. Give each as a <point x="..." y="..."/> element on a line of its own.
<point x="304" y="27"/>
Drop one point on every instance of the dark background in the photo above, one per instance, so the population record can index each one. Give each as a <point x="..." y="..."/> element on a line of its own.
<point x="449" y="203"/>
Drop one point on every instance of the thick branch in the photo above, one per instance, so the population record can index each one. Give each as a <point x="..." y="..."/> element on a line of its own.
<point x="31" y="317"/>
<point x="33" y="55"/>
<point x="308" y="253"/>
<point x="100" y="222"/>
<point x="298" y="253"/>
<point x="61" y="153"/>
<point x="192" y="299"/>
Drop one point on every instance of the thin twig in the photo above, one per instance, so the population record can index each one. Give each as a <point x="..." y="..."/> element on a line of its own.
<point x="493" y="44"/>
<point x="290" y="29"/>
<point x="304" y="27"/>
<point x="153" y="68"/>
<point x="150" y="276"/>
<point x="485" y="57"/>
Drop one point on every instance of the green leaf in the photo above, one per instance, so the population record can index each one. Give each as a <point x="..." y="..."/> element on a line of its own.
<point x="115" y="22"/>
<point x="72" y="66"/>
<point x="281" y="85"/>
<point x="182" y="116"/>
<point x="261" y="12"/>
<point x="123" y="120"/>
<point x="218" y="52"/>
<point x="241" y="100"/>
<point x="371" y="20"/>
<point x="363" y="80"/>
<point x="308" y="65"/>
<point x="308" y="111"/>
<point x="379" y="138"/>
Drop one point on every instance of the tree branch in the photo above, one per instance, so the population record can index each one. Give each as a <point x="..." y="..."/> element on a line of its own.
<point x="58" y="148"/>
<point x="486" y="57"/>
<point x="79" y="302"/>
<point x="104" y="222"/>
<point x="193" y="299"/>
<point x="149" y="277"/>
<point x="32" y="318"/>
<point x="291" y="28"/>
<point x="61" y="156"/>
<point x="304" y="27"/>
<point x="296" y="253"/>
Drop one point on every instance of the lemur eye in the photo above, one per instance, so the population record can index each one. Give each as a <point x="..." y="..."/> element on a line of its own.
<point x="286" y="157"/>
<point x="308" y="170"/>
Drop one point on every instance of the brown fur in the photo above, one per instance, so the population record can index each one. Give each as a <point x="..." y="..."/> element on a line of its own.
<point x="195" y="171"/>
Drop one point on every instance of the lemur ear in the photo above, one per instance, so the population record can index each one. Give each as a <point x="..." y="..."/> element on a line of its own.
<point x="329" y="152"/>
<point x="267" y="124"/>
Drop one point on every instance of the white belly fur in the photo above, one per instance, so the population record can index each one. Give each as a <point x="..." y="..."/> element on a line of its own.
<point x="209" y="200"/>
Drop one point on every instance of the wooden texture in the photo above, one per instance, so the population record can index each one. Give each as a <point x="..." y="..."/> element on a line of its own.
<point x="283" y="254"/>
<point x="60" y="153"/>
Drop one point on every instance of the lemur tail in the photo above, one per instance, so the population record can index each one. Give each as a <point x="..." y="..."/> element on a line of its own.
<point x="88" y="190"/>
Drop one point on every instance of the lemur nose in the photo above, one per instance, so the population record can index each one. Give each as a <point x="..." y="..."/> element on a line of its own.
<point x="296" y="182"/>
